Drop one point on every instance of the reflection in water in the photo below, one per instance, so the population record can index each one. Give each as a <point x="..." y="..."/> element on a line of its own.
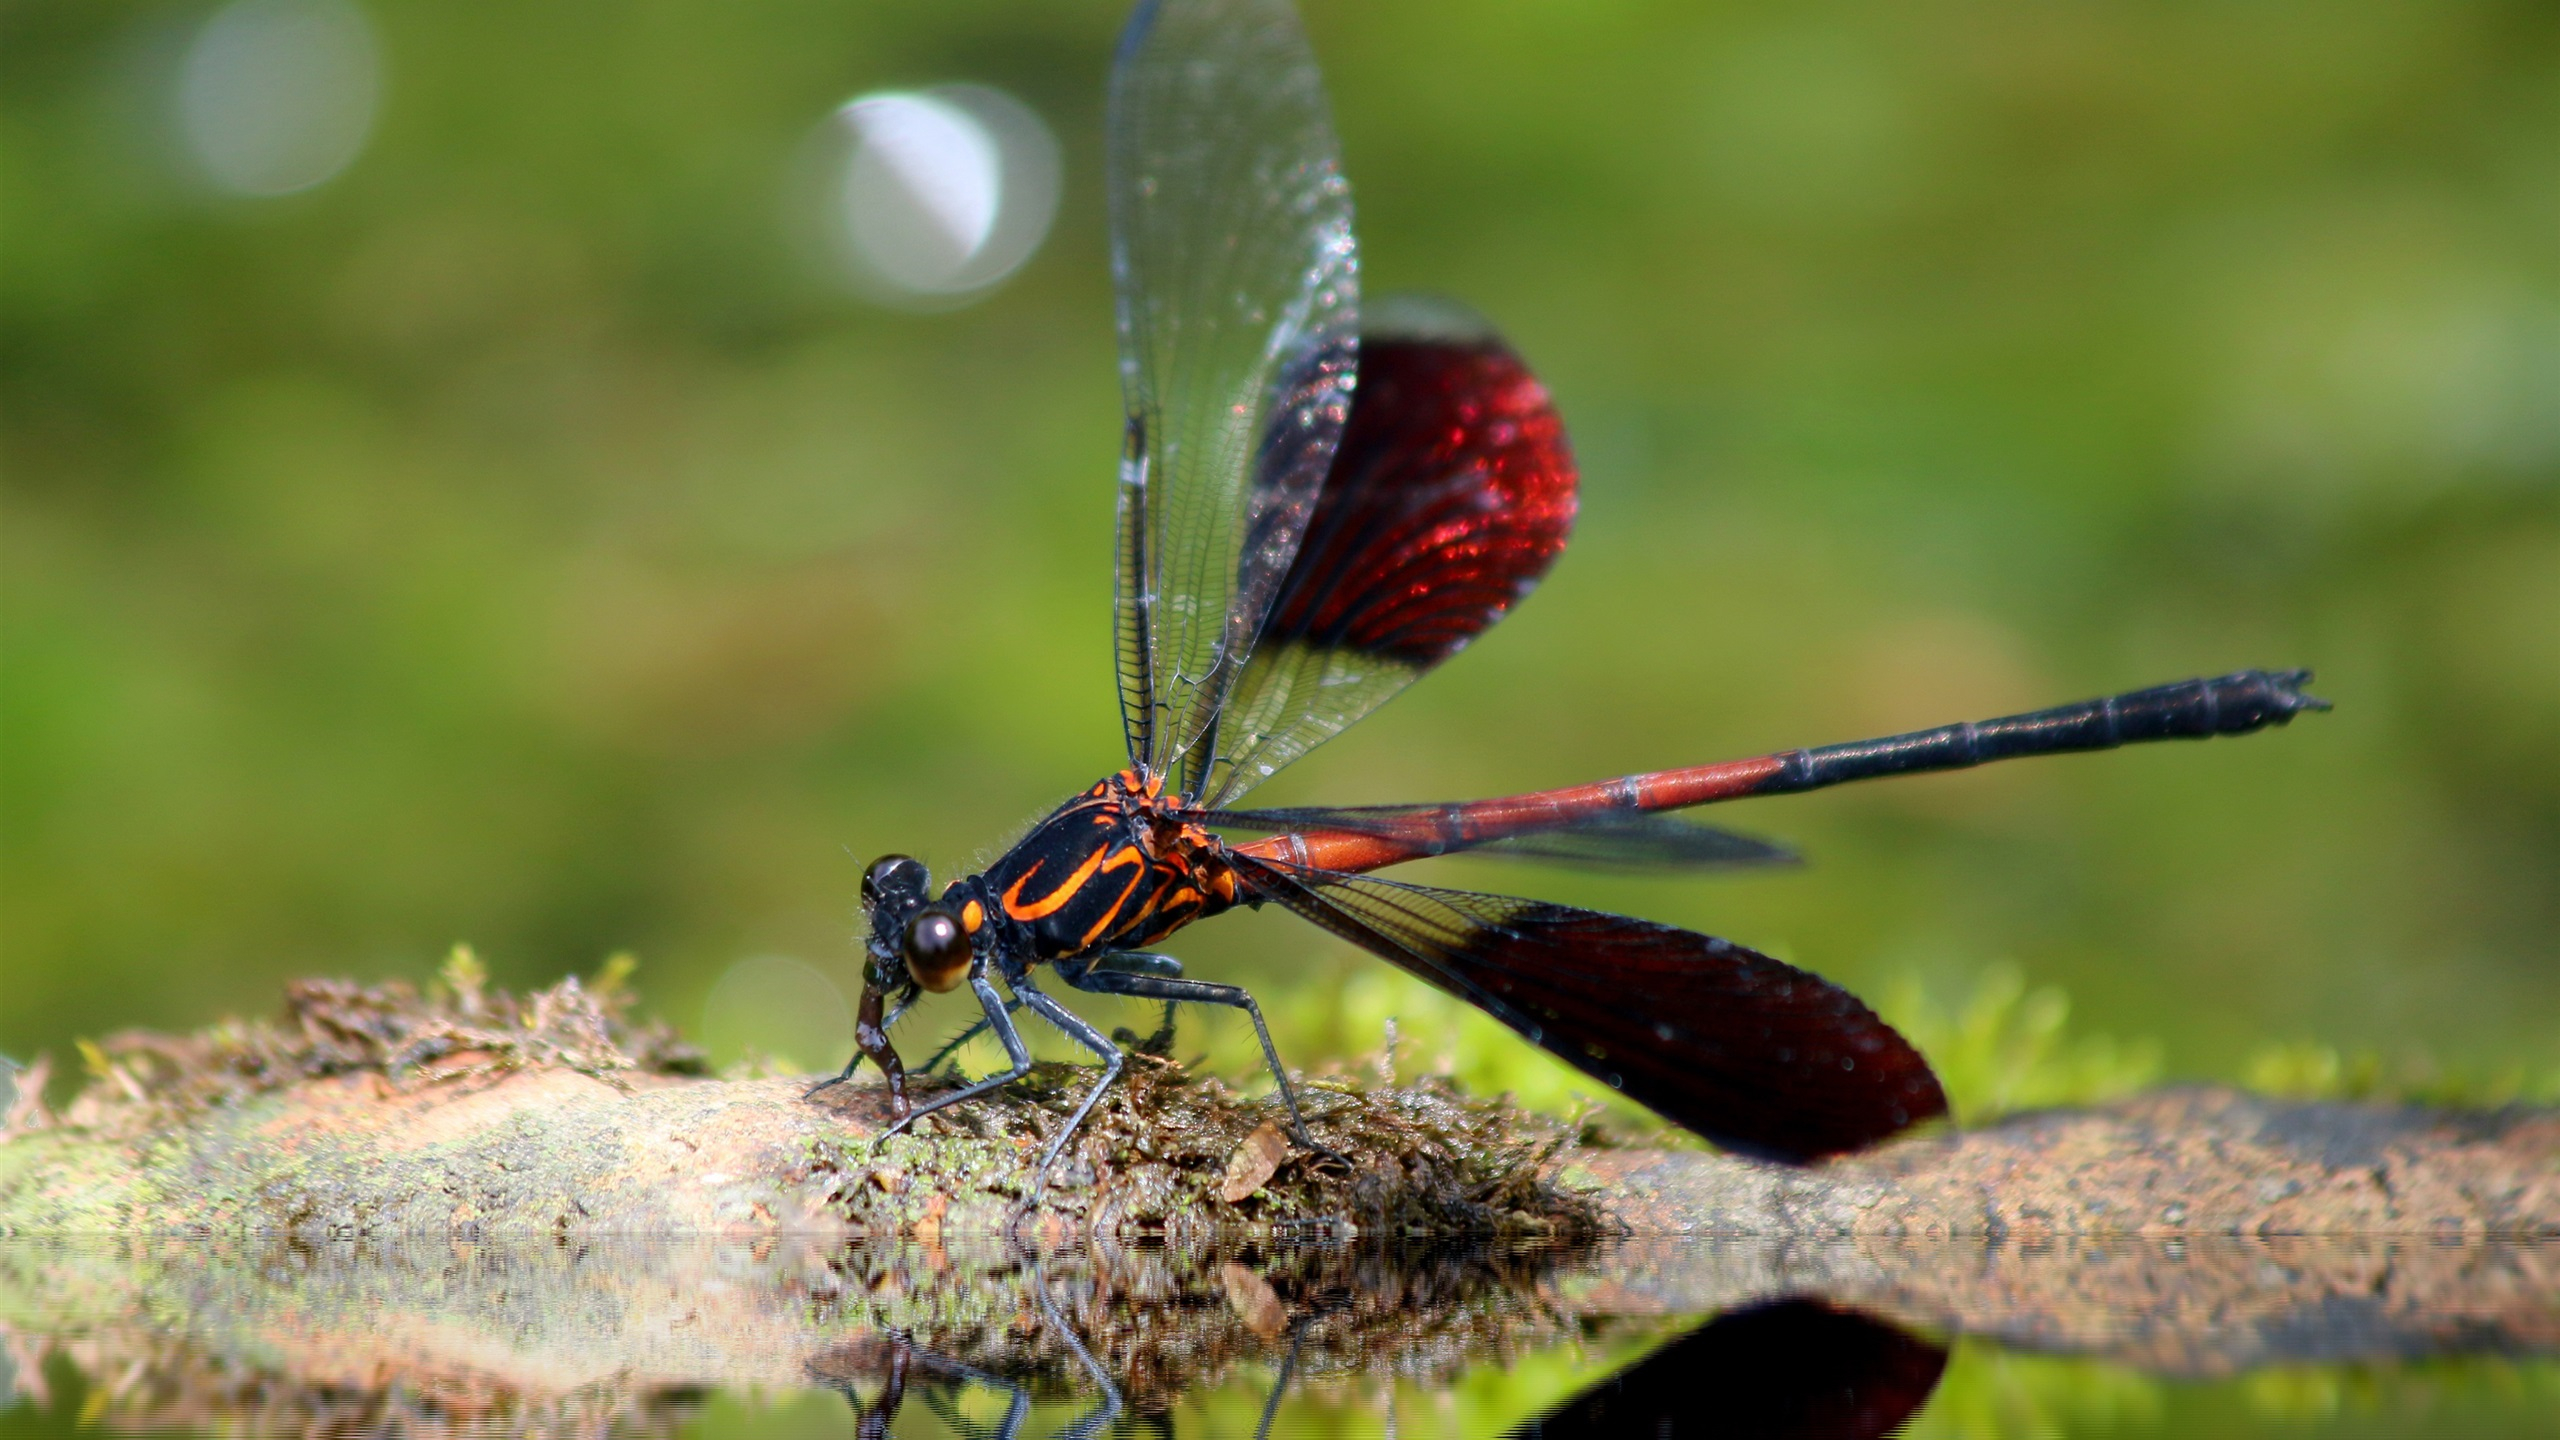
<point x="1790" y="1370"/>
<point x="891" y="1366"/>
<point x="1794" y="1368"/>
<point x="418" y="1338"/>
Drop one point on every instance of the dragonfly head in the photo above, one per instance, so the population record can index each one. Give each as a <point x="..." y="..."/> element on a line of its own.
<point x="924" y="939"/>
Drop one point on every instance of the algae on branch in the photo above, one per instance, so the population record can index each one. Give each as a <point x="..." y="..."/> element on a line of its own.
<point x="377" y="1109"/>
<point x="1158" y="1153"/>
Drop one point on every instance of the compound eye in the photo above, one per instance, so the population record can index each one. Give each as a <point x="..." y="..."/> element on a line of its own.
<point x="893" y="872"/>
<point x="937" y="950"/>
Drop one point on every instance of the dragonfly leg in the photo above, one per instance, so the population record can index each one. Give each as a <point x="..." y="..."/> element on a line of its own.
<point x="869" y="1419"/>
<point x="837" y="1078"/>
<point x="871" y="1038"/>
<point x="976" y="1029"/>
<point x="1145" y="962"/>
<point x="1142" y="962"/>
<point x="1106" y="978"/>
<point x="1158" y="1044"/>
<point x="1014" y="1049"/>
<point x="1082" y="1032"/>
<point x="1280" y="1382"/>
<point x="855" y="1063"/>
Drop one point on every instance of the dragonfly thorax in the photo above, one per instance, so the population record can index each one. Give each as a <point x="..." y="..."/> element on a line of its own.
<point x="1116" y="867"/>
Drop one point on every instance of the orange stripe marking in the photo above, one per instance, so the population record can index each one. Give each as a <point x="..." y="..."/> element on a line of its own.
<point x="1135" y="858"/>
<point x="1056" y="899"/>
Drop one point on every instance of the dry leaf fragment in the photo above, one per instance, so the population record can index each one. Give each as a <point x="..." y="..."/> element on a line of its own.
<point x="1253" y="1300"/>
<point x="1253" y="1162"/>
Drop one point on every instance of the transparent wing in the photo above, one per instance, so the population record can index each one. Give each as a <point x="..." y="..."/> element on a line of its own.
<point x="1452" y="491"/>
<point x="1238" y="293"/>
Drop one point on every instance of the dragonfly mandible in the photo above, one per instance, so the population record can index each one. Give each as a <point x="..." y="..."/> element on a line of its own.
<point x="1320" y="501"/>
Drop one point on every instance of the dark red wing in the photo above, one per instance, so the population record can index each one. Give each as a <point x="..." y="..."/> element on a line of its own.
<point x="1795" y="1368"/>
<point x="1451" y="492"/>
<point x="1750" y="1052"/>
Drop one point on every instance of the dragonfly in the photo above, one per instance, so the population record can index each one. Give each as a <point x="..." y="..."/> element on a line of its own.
<point x="1320" y="501"/>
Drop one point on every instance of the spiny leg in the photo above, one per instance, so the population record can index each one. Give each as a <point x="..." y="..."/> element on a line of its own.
<point x="837" y="1078"/>
<point x="1102" y="979"/>
<point x="1018" y="1052"/>
<point x="976" y="1029"/>
<point x="1143" y="962"/>
<point x="1082" y="1032"/>
<point x="938" y="1378"/>
<point x="1158" y="1044"/>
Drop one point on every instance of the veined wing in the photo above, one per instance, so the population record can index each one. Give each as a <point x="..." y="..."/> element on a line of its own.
<point x="1238" y="288"/>
<point x="1451" y="493"/>
<point x="1607" y="839"/>
<point x="1748" y="1051"/>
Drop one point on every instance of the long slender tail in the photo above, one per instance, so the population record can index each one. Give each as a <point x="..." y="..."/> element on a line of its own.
<point x="1368" y="839"/>
<point x="2188" y="710"/>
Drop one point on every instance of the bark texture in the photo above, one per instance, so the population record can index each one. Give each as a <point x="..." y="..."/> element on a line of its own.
<point x="541" y="1150"/>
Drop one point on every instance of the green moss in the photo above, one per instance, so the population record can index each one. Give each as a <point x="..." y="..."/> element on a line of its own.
<point x="63" y="1181"/>
<point x="2000" y="1047"/>
<point x="2309" y="1070"/>
<point x="1154" y="1156"/>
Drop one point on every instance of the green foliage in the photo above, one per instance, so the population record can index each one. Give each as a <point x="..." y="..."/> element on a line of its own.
<point x="462" y="978"/>
<point x="2309" y="1070"/>
<point x="1482" y="1400"/>
<point x="2000" y="1047"/>
<point x="515" y="538"/>
<point x="1994" y="1394"/>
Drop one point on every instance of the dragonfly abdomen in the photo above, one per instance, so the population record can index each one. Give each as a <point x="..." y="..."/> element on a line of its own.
<point x="2189" y="710"/>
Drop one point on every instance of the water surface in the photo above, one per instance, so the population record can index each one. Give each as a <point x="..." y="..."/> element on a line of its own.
<point x="789" y="1336"/>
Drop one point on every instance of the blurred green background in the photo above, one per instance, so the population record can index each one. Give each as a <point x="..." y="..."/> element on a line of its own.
<point x="518" y="540"/>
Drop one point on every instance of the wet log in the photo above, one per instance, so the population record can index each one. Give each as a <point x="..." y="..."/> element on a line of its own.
<point x="464" y="1112"/>
<point x="544" y="1149"/>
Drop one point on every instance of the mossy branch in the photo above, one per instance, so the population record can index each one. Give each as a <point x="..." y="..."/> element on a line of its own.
<point x="465" y="1112"/>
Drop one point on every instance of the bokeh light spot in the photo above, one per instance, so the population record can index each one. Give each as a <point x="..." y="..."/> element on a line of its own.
<point x="933" y="197"/>
<point x="276" y="96"/>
